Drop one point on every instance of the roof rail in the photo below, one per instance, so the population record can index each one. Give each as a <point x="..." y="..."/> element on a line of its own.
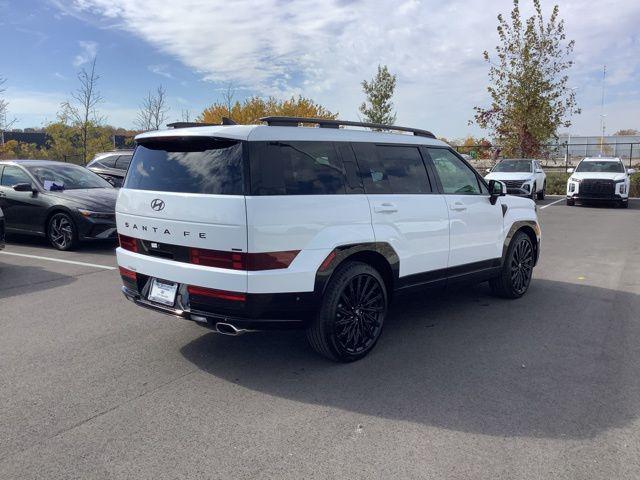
<point x="328" y="123"/>
<point x="225" y="121"/>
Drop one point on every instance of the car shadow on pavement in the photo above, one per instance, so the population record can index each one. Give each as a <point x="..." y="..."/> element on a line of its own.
<point x="99" y="247"/>
<point x="18" y="280"/>
<point x="561" y="362"/>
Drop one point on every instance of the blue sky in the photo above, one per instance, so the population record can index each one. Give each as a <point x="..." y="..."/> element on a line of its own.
<point x="321" y="50"/>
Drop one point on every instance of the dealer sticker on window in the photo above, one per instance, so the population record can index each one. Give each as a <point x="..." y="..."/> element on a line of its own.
<point x="163" y="292"/>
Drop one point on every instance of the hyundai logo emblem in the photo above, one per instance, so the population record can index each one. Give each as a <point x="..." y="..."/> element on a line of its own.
<point x="157" y="204"/>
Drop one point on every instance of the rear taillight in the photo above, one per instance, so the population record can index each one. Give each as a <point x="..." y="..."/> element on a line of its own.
<point x="128" y="243"/>
<point x="270" y="260"/>
<point x="217" y="258"/>
<point x="212" y="293"/>
<point x="242" y="261"/>
<point x="129" y="274"/>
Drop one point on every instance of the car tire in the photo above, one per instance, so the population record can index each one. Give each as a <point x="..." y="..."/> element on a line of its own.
<point x="542" y="192"/>
<point x="571" y="202"/>
<point x="533" y="192"/>
<point x="517" y="268"/>
<point x="623" y="204"/>
<point x="62" y="232"/>
<point x="350" y="319"/>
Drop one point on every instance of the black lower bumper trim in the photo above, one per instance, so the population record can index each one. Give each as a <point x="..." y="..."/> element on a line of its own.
<point x="210" y="319"/>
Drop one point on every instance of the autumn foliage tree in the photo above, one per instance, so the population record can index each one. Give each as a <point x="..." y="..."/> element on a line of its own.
<point x="252" y="109"/>
<point x="530" y="96"/>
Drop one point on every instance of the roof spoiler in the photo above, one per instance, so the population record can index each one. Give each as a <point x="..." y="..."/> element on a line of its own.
<point x="225" y="121"/>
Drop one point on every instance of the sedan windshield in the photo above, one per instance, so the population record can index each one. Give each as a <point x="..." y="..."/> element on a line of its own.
<point x="600" y="166"/>
<point x="513" y="166"/>
<point x="66" y="177"/>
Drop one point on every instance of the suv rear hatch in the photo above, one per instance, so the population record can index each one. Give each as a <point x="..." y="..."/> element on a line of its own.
<point x="183" y="200"/>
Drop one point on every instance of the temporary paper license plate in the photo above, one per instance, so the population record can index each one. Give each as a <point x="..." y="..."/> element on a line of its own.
<point x="163" y="292"/>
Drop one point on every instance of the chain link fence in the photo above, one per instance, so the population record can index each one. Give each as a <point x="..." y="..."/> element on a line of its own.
<point x="558" y="156"/>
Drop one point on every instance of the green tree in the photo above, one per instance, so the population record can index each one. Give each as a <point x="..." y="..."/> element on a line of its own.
<point x="252" y="109"/>
<point x="12" y="149"/>
<point x="378" y="107"/>
<point x="530" y="96"/>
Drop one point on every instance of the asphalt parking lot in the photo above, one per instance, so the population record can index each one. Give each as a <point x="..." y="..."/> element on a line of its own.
<point x="461" y="385"/>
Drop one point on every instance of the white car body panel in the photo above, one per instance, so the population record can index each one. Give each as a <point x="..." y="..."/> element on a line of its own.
<point x="416" y="226"/>
<point x="476" y="229"/>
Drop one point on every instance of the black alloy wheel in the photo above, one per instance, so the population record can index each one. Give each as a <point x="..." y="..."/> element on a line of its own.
<point x="62" y="232"/>
<point x="517" y="268"/>
<point x="521" y="266"/>
<point x="352" y="314"/>
<point x="357" y="314"/>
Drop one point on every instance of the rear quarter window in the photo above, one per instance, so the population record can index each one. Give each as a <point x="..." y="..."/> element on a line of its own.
<point x="296" y="168"/>
<point x="188" y="165"/>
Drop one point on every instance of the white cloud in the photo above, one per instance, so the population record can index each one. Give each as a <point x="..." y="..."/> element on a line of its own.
<point x="324" y="49"/>
<point x="88" y="51"/>
<point x="160" y="70"/>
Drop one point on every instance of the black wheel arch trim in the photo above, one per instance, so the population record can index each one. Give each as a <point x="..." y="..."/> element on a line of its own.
<point x="529" y="227"/>
<point x="360" y="251"/>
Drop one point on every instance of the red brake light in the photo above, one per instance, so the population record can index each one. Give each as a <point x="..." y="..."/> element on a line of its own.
<point x="128" y="243"/>
<point x="241" y="260"/>
<point x="130" y="274"/>
<point x="270" y="260"/>
<point x="217" y="258"/>
<point x="212" y="293"/>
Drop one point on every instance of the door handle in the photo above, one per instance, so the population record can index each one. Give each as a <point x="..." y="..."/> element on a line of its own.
<point x="385" y="208"/>
<point x="458" y="207"/>
<point x="2" y="194"/>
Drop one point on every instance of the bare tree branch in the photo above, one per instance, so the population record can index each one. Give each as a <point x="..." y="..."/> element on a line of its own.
<point x="82" y="108"/>
<point x="5" y="124"/>
<point x="153" y="111"/>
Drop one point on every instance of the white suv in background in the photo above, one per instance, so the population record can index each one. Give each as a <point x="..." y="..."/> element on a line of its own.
<point x="599" y="179"/>
<point x="251" y="227"/>
<point x="523" y="177"/>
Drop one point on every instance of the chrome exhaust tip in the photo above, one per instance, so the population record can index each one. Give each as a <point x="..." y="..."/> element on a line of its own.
<point x="229" y="329"/>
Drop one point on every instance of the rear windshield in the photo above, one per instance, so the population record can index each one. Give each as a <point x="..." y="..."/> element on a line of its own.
<point x="187" y="165"/>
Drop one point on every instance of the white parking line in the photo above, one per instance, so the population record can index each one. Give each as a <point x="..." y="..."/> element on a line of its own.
<point x="552" y="203"/>
<point x="72" y="262"/>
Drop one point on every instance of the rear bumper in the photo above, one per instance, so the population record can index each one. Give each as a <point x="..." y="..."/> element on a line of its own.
<point x="282" y="313"/>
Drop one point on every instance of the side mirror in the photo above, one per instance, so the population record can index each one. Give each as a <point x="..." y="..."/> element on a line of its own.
<point x="631" y="171"/>
<point x="539" y="170"/>
<point x="570" y="170"/>
<point x="488" y="170"/>
<point x="496" y="189"/>
<point x="24" y="187"/>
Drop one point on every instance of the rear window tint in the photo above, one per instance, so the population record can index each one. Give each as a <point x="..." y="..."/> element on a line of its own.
<point x="105" y="161"/>
<point x="392" y="169"/>
<point x="188" y="165"/>
<point x="296" y="168"/>
<point x="123" y="162"/>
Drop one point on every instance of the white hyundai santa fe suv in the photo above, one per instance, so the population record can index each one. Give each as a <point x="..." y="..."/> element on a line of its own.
<point x="523" y="177"/>
<point x="599" y="180"/>
<point x="252" y="227"/>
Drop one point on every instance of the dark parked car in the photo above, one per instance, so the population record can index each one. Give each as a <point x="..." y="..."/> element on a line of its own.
<point x="112" y="166"/>
<point x="64" y="202"/>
